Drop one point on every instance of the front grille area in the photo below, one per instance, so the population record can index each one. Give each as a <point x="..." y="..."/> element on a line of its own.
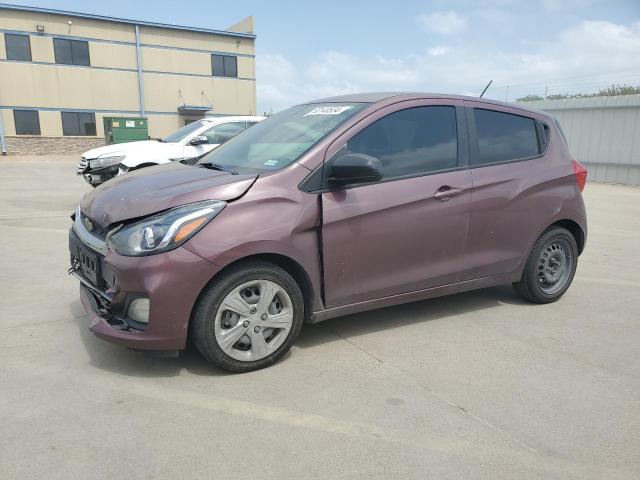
<point x="96" y="229"/>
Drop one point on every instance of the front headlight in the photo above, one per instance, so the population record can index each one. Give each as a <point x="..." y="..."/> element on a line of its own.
<point x="106" y="161"/>
<point x="165" y="231"/>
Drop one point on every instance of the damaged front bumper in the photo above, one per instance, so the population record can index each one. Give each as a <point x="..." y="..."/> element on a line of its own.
<point x="97" y="176"/>
<point x="110" y="283"/>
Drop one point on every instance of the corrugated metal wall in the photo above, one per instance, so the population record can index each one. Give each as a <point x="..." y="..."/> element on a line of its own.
<point x="603" y="134"/>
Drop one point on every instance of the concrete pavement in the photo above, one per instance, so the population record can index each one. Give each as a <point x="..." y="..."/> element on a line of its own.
<point x="476" y="385"/>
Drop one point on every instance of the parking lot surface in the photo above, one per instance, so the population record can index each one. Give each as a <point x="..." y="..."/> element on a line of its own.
<point x="475" y="385"/>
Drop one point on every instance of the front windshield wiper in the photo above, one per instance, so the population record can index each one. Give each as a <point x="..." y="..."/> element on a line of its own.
<point x="221" y="168"/>
<point x="161" y="140"/>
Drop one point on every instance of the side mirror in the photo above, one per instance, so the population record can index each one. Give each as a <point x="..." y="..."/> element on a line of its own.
<point x="355" y="168"/>
<point x="198" y="140"/>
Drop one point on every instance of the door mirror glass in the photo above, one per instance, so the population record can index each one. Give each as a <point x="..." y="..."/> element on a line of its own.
<point x="198" y="140"/>
<point x="355" y="168"/>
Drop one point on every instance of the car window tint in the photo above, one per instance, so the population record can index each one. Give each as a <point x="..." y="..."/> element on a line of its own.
<point x="412" y="141"/>
<point x="504" y="136"/>
<point x="224" y="132"/>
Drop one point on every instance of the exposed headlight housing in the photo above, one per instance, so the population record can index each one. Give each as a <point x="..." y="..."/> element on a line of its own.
<point x="165" y="231"/>
<point x="106" y="161"/>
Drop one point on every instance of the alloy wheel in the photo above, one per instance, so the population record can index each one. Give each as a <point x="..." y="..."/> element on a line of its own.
<point x="253" y="320"/>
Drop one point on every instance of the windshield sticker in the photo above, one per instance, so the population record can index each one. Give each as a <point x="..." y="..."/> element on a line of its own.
<point x="271" y="163"/>
<point x="329" y="110"/>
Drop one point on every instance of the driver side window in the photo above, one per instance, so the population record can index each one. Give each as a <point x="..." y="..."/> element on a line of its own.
<point x="409" y="142"/>
<point x="224" y="132"/>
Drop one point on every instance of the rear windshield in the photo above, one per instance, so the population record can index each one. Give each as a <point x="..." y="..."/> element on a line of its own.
<point x="280" y="140"/>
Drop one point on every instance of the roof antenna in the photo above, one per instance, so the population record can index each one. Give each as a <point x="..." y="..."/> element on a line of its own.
<point x="485" y="88"/>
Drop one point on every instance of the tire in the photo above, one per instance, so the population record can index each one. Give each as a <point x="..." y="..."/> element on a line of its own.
<point x="550" y="267"/>
<point x="234" y="315"/>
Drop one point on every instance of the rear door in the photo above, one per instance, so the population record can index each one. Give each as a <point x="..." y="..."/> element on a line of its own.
<point x="406" y="232"/>
<point x="511" y="175"/>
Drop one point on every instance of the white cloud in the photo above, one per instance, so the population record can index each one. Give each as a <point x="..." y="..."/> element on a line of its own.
<point x="579" y="52"/>
<point x="438" y="50"/>
<point x="444" y="23"/>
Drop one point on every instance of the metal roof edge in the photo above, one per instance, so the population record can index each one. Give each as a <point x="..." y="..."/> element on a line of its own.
<point x="53" y="11"/>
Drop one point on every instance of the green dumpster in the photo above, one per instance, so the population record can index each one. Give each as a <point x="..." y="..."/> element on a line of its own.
<point x="125" y="129"/>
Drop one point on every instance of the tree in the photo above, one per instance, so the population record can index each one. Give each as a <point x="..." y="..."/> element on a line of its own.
<point x="612" y="91"/>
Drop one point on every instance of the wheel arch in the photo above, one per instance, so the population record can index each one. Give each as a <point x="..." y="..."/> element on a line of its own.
<point x="288" y="264"/>
<point x="575" y="229"/>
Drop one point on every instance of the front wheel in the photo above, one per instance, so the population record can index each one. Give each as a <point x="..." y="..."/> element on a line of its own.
<point x="550" y="267"/>
<point x="249" y="317"/>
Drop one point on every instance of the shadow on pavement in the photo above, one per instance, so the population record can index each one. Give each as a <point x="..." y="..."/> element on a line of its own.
<point x="122" y="361"/>
<point x="411" y="313"/>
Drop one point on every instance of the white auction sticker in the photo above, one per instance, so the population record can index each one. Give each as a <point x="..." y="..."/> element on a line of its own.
<point x="329" y="110"/>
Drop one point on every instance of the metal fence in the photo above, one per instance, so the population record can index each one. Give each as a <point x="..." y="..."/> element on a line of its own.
<point x="603" y="134"/>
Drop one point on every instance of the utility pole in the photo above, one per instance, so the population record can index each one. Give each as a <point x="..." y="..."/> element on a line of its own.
<point x="506" y="94"/>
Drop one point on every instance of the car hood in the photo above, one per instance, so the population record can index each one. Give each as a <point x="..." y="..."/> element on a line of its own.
<point x="129" y="148"/>
<point x="153" y="189"/>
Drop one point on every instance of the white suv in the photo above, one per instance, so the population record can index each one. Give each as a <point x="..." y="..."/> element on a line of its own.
<point x="191" y="141"/>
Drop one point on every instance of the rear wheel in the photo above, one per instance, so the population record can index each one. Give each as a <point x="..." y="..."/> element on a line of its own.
<point x="550" y="267"/>
<point x="249" y="317"/>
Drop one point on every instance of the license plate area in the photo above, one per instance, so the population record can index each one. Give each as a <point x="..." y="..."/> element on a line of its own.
<point x="89" y="265"/>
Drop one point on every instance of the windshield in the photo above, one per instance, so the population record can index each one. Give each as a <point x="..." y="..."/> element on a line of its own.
<point x="280" y="140"/>
<point x="183" y="132"/>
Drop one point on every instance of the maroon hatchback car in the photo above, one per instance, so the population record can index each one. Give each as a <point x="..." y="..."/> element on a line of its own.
<point x="329" y="208"/>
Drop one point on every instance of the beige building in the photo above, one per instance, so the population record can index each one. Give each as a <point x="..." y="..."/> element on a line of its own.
<point x="62" y="72"/>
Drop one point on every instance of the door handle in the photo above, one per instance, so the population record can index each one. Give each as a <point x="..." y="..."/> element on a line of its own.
<point x="445" y="192"/>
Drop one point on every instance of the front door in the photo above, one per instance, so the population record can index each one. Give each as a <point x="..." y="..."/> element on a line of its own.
<point x="408" y="231"/>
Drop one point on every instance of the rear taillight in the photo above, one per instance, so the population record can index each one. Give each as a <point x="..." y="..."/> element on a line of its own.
<point x="580" y="172"/>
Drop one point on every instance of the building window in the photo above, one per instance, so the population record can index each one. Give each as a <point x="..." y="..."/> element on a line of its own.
<point x="18" y="47"/>
<point x="71" y="52"/>
<point x="27" y="122"/>
<point x="78" y="124"/>
<point x="224" y="66"/>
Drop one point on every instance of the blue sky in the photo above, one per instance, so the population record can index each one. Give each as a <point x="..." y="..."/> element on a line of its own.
<point x="314" y="49"/>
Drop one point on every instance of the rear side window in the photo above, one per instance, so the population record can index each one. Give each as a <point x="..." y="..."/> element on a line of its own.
<point x="411" y="142"/>
<point x="503" y="137"/>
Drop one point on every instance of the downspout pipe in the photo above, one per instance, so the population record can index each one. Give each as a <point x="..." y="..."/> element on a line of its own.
<point x="140" y="79"/>
<point x="3" y="145"/>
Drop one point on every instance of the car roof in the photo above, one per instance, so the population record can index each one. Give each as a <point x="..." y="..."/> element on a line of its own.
<point x="375" y="97"/>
